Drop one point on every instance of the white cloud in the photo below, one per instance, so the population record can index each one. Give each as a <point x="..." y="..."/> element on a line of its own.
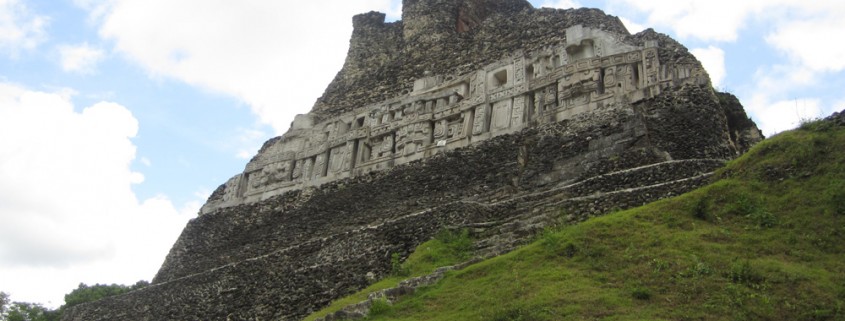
<point x="19" y="29"/>
<point x="66" y="202"/>
<point x="776" y="116"/>
<point x="275" y="56"/>
<point x="718" y="20"/>
<point x="632" y="27"/>
<point x="249" y="141"/>
<point x="80" y="58"/>
<point x="561" y="4"/>
<point x="812" y="36"/>
<point x="713" y="60"/>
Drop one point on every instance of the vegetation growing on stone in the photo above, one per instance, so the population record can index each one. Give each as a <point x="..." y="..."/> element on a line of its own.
<point x="764" y="241"/>
<point x="447" y="248"/>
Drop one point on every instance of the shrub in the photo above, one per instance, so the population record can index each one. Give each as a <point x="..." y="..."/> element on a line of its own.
<point x="743" y="273"/>
<point x="700" y="210"/>
<point x="641" y="293"/>
<point x="458" y="243"/>
<point x="396" y="266"/>
<point x="379" y="307"/>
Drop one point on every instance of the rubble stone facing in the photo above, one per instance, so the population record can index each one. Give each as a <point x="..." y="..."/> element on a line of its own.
<point x="486" y="115"/>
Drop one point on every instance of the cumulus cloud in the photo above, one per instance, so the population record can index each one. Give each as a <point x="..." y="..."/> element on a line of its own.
<point x="705" y="20"/>
<point x="274" y="56"/>
<point x="19" y="28"/>
<point x="713" y="59"/>
<point x="777" y="116"/>
<point x="79" y="58"/>
<point x="811" y="37"/>
<point x="66" y="201"/>
<point x="632" y="27"/>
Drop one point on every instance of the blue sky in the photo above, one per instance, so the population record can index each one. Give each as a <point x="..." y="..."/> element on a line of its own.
<point x="119" y="117"/>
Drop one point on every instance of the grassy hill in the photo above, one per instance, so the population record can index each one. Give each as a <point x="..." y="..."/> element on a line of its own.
<point x="764" y="241"/>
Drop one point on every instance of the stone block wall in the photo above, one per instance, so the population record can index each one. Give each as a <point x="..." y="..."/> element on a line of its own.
<point x="480" y="114"/>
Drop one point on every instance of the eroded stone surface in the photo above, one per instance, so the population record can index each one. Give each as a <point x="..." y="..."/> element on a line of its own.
<point x="588" y="69"/>
<point x="479" y="114"/>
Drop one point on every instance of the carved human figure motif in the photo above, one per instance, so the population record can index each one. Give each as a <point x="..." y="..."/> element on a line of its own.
<point x="257" y="179"/>
<point x="440" y="129"/>
<point x="609" y="77"/>
<point x="551" y="97"/>
<point x="279" y="172"/>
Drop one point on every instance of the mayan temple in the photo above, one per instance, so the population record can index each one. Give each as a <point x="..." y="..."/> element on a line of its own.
<point x="490" y="115"/>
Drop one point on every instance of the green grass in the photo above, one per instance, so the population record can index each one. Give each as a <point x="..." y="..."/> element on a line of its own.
<point x="765" y="241"/>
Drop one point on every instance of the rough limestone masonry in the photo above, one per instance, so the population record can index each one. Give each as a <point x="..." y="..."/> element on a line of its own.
<point x="486" y="115"/>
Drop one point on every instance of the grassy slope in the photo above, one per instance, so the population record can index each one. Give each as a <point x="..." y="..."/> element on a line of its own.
<point x="766" y="241"/>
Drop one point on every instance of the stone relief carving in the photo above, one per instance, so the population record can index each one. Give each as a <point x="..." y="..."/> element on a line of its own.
<point x="504" y="96"/>
<point x="479" y="125"/>
<point x="502" y="114"/>
<point x="518" y="111"/>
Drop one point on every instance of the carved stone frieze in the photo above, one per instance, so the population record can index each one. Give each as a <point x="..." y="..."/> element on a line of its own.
<point x="592" y="67"/>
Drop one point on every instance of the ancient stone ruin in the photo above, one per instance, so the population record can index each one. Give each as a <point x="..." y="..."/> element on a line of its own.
<point x="489" y="115"/>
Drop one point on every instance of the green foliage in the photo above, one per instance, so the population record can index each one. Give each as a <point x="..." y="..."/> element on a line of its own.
<point x="762" y="242"/>
<point x="379" y="307"/>
<point x="458" y="243"/>
<point x="85" y="293"/>
<point x="396" y="267"/>
<point x="4" y="302"/>
<point x="700" y="210"/>
<point x="24" y="311"/>
<point x="447" y="248"/>
<point x="641" y="293"/>
<point x="816" y="125"/>
<point x="743" y="273"/>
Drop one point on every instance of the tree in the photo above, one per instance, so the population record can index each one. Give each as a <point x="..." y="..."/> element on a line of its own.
<point x="24" y="311"/>
<point x="4" y="304"/>
<point x="88" y="293"/>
